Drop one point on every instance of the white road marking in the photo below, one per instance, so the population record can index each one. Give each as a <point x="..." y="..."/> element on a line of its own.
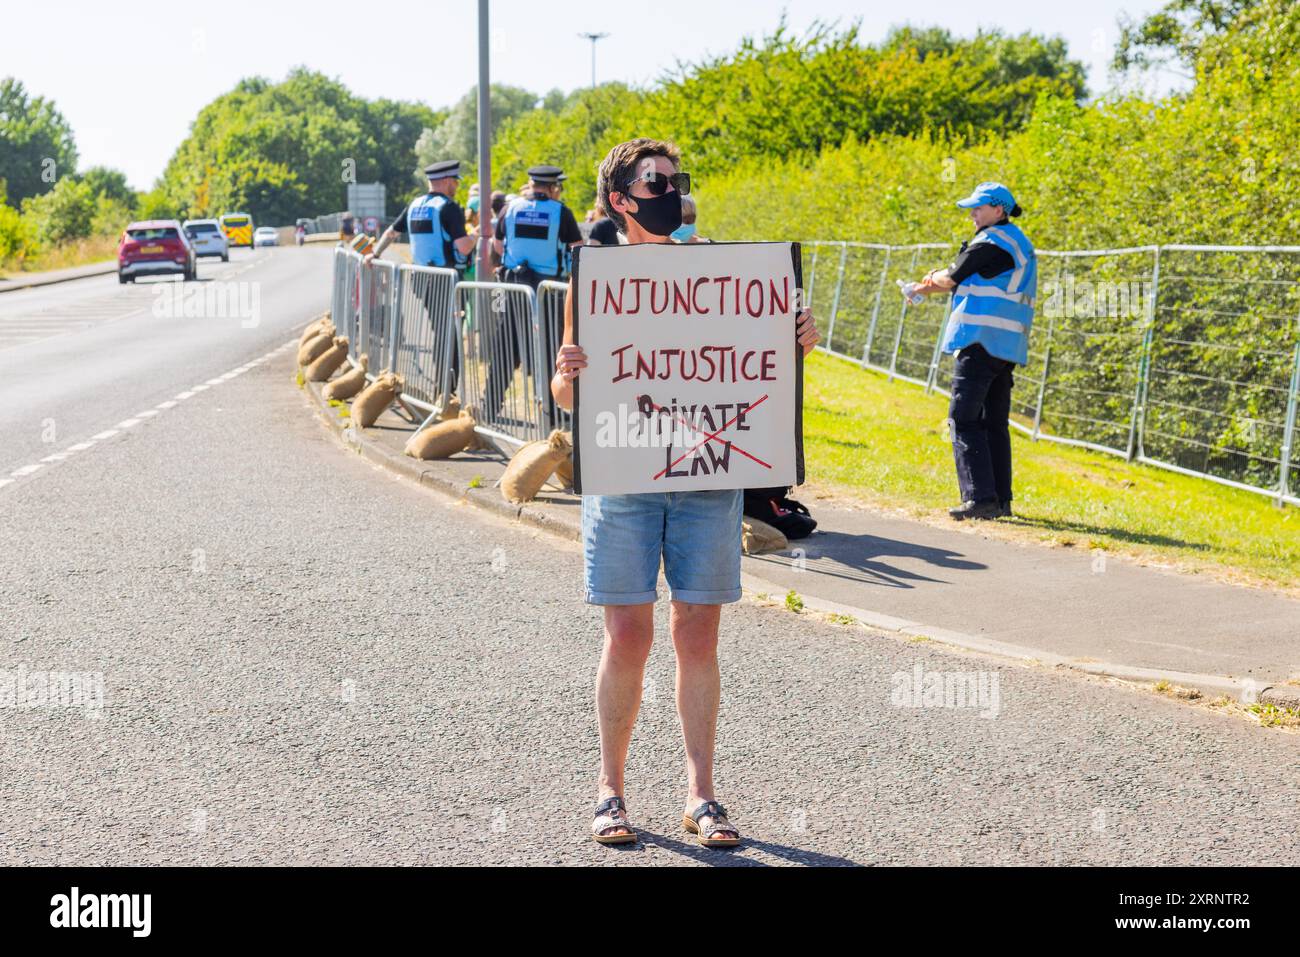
<point x="137" y="418"/>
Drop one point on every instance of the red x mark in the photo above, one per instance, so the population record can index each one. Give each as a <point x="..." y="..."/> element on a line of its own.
<point x="712" y="437"/>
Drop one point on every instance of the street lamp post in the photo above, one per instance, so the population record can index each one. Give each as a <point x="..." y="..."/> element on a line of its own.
<point x="593" y="37"/>
<point x="484" y="141"/>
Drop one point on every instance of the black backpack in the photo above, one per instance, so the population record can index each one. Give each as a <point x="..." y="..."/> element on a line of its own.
<point x="773" y="506"/>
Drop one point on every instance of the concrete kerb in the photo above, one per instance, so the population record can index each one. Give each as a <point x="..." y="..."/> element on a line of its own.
<point x="70" y="275"/>
<point x="430" y="473"/>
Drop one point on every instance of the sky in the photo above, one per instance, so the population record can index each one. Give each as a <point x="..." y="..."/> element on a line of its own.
<point x="131" y="86"/>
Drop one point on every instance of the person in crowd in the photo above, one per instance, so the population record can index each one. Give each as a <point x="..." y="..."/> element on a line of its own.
<point x="603" y="231"/>
<point x="625" y="537"/>
<point x="533" y="238"/>
<point x="685" y="233"/>
<point x="993" y="282"/>
<point x="434" y="221"/>
<point x="435" y="224"/>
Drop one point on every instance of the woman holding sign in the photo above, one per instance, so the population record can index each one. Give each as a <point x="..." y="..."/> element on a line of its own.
<point x="695" y="533"/>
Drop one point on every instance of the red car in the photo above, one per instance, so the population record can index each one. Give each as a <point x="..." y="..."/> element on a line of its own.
<point x="154" y="248"/>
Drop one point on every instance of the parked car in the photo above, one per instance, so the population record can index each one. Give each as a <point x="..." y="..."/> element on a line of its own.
<point x="206" y="237"/>
<point x="266" y="236"/>
<point x="152" y="248"/>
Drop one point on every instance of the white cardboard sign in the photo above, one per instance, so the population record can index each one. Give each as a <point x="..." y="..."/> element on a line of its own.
<point x="694" y="378"/>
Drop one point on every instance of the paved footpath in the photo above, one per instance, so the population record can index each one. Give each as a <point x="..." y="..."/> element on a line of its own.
<point x="965" y="587"/>
<point x="308" y="660"/>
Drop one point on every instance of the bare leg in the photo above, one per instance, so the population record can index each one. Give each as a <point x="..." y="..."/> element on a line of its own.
<point x="629" y="633"/>
<point x="699" y="688"/>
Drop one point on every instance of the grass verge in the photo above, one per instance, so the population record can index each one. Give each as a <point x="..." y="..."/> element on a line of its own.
<point x="885" y="444"/>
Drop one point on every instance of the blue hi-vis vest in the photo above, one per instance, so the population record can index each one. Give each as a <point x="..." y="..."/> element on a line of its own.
<point x="533" y="236"/>
<point x="428" y="239"/>
<point x="997" y="313"/>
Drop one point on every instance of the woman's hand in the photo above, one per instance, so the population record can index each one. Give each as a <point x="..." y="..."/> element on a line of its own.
<point x="806" y="331"/>
<point x="570" y="361"/>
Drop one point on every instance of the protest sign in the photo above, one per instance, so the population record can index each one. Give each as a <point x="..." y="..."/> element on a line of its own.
<point x="694" y="377"/>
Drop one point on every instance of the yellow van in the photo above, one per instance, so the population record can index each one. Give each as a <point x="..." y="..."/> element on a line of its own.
<point x="238" y="228"/>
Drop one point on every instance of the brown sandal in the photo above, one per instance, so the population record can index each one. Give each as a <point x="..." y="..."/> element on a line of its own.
<point x="718" y="824"/>
<point x="606" y="821"/>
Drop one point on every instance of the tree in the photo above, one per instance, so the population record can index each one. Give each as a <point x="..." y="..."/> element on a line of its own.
<point x="36" y="144"/>
<point x="1175" y="33"/>
<point x="110" y="183"/>
<point x="288" y="149"/>
<point x="456" y="137"/>
<point x="64" y="213"/>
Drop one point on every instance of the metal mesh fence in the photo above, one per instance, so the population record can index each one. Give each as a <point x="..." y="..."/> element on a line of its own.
<point x="1184" y="357"/>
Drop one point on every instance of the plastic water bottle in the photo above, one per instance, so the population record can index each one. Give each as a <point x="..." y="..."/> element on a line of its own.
<point x="910" y="294"/>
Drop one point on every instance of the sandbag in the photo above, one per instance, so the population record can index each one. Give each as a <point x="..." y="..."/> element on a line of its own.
<point x="375" y="398"/>
<point x="324" y="365"/>
<point x="442" y="440"/>
<point x="350" y="382"/>
<point x="758" y="537"/>
<point x="532" y="465"/>
<point x="315" y="347"/>
<point x="478" y="443"/>
<point x="450" y="411"/>
<point x="564" y="471"/>
<point x="314" y="329"/>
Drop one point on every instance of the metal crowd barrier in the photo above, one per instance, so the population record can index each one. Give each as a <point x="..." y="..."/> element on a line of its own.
<point x="550" y="310"/>
<point x="506" y="375"/>
<point x="1182" y="357"/>
<point x="424" y="349"/>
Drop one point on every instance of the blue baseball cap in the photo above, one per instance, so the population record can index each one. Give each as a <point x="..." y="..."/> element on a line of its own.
<point x="989" y="194"/>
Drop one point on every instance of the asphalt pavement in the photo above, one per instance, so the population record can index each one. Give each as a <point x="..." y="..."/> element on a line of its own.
<point x="304" y="659"/>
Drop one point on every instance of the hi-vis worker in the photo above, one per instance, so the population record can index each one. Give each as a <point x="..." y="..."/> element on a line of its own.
<point x="435" y="222"/>
<point x="533" y="238"/>
<point x="535" y="235"/>
<point x="436" y="226"/>
<point x="993" y="281"/>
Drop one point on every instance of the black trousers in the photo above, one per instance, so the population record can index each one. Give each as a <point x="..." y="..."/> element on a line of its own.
<point x="978" y="417"/>
<point x="509" y="352"/>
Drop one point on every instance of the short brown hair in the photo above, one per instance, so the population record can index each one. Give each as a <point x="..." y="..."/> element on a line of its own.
<point x="620" y="164"/>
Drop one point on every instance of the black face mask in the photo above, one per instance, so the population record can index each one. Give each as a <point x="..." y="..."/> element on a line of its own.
<point x="658" y="215"/>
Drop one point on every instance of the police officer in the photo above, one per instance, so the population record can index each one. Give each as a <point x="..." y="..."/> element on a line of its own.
<point x="435" y="222"/>
<point x="532" y="239"/>
<point x="993" y="282"/>
<point x="436" y="226"/>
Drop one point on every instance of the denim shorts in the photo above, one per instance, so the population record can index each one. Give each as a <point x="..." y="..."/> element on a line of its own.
<point x="696" y="534"/>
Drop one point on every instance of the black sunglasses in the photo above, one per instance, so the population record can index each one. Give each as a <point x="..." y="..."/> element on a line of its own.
<point x="657" y="183"/>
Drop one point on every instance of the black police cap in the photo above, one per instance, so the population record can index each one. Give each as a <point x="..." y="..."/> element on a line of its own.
<point x="442" y="169"/>
<point x="546" y="175"/>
